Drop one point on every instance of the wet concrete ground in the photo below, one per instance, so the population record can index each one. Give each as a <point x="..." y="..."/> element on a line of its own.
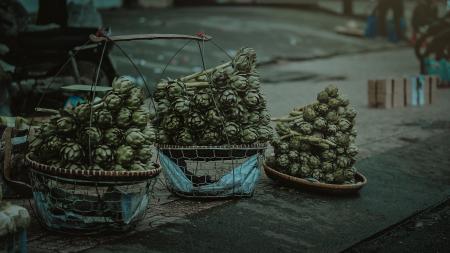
<point x="402" y="182"/>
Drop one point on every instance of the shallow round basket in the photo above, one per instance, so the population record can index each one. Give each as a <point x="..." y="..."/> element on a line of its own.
<point x="93" y="175"/>
<point x="300" y="183"/>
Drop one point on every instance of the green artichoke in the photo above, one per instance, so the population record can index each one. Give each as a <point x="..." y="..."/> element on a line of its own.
<point x="221" y="77"/>
<point x="185" y="138"/>
<point x="283" y="161"/>
<point x="350" y="113"/>
<point x="82" y="112"/>
<point x="228" y="98"/>
<point x="253" y="81"/>
<point x="171" y="122"/>
<point x="150" y="134"/>
<point x="332" y="91"/>
<point x="282" y="129"/>
<point x="304" y="146"/>
<point x="245" y="60"/>
<point x="210" y="137"/>
<point x="295" y="169"/>
<point x="239" y="83"/>
<point x="249" y="135"/>
<point x="328" y="155"/>
<point x="264" y="117"/>
<point x="333" y="103"/>
<point x="103" y="155"/>
<point x="352" y="150"/>
<point x="305" y="128"/>
<point x="282" y="148"/>
<point x="162" y="137"/>
<point x="321" y="109"/>
<point x="112" y="101"/>
<point x="252" y="98"/>
<point x="163" y="106"/>
<point x="340" y="150"/>
<point x="231" y="129"/>
<point x="305" y="171"/>
<point x="113" y="136"/>
<point x="135" y="99"/>
<point x="137" y="166"/>
<point x="53" y="144"/>
<point x="71" y="152"/>
<point x="265" y="133"/>
<point x="304" y="157"/>
<point x="343" y="101"/>
<point x="342" y="139"/>
<point x="327" y="167"/>
<point x="332" y="117"/>
<point x="65" y="125"/>
<point x="144" y="153"/>
<point x="122" y="84"/>
<point x="252" y="118"/>
<point x="331" y="129"/>
<point x="117" y="167"/>
<point x="104" y="118"/>
<point x="213" y="117"/>
<point x="344" y="125"/>
<point x="322" y="97"/>
<point x="176" y="89"/>
<point x="140" y="118"/>
<point x="74" y="166"/>
<point x="195" y="121"/>
<point x="134" y="137"/>
<point x="309" y="114"/>
<point x="295" y="142"/>
<point x="95" y="167"/>
<point x="317" y="174"/>
<point x="181" y="105"/>
<point x="235" y="113"/>
<point x="294" y="156"/>
<point x="123" y="118"/>
<point x="314" y="162"/>
<point x="124" y="155"/>
<point x="320" y="124"/>
<point x="329" y="178"/>
<point x="90" y="136"/>
<point x="202" y="100"/>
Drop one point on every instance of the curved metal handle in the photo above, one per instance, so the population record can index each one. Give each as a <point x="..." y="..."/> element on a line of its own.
<point x="150" y="36"/>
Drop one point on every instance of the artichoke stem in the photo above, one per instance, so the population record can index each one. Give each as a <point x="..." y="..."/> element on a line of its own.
<point x="195" y="75"/>
<point x="285" y="119"/>
<point x="310" y="139"/>
<point x="46" y="110"/>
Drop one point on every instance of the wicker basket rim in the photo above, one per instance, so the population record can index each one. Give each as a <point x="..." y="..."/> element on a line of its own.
<point x="105" y="173"/>
<point x="222" y="147"/>
<point x="302" y="181"/>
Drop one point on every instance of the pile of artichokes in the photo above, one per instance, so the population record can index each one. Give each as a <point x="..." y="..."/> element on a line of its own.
<point x="317" y="141"/>
<point x="113" y="134"/>
<point x="218" y="106"/>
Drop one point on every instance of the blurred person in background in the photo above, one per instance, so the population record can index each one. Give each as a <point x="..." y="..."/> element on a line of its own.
<point x="397" y="7"/>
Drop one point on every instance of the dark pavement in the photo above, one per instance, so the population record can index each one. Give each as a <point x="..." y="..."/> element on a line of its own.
<point x="402" y="182"/>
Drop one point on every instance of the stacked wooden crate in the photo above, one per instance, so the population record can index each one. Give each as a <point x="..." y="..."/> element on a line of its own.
<point x="400" y="92"/>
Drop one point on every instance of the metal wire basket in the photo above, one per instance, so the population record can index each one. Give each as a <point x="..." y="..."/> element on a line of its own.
<point x="90" y="202"/>
<point x="211" y="171"/>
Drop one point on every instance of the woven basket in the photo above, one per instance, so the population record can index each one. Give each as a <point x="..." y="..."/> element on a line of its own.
<point x="300" y="183"/>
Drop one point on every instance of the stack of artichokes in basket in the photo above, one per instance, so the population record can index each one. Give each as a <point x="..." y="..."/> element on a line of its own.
<point x="218" y="106"/>
<point x="317" y="141"/>
<point x="112" y="134"/>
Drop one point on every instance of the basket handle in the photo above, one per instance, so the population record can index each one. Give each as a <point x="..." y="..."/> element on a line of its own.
<point x="19" y="186"/>
<point x="150" y="36"/>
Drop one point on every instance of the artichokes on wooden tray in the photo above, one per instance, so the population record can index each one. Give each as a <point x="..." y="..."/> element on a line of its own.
<point x="218" y="106"/>
<point x="317" y="142"/>
<point x="113" y="134"/>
